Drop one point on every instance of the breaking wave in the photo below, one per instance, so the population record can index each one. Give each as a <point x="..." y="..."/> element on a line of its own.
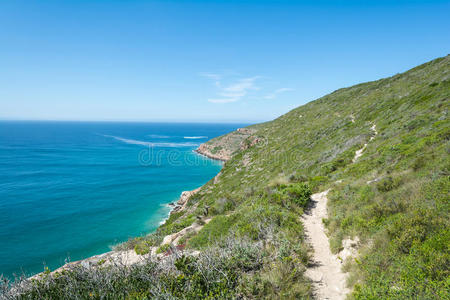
<point x="151" y="144"/>
<point x="195" y="137"/>
<point x="157" y="136"/>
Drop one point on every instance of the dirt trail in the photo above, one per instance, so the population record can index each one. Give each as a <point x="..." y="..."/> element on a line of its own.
<point x="359" y="152"/>
<point x="326" y="274"/>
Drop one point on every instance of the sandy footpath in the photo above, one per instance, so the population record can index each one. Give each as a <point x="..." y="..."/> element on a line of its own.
<point x="326" y="274"/>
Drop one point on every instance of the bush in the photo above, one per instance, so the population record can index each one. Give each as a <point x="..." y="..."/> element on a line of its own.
<point x="142" y="248"/>
<point x="163" y="248"/>
<point x="387" y="184"/>
<point x="317" y="181"/>
<point x="213" y="231"/>
<point x="215" y="274"/>
<point x="140" y="243"/>
<point x="299" y="193"/>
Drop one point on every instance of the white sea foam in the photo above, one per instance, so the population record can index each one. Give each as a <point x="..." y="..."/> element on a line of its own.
<point x="167" y="205"/>
<point x="157" y="136"/>
<point x="195" y="137"/>
<point x="151" y="144"/>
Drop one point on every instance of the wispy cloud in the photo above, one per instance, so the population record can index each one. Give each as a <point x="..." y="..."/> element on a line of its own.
<point x="213" y="76"/>
<point x="275" y="93"/>
<point x="223" y="100"/>
<point x="233" y="92"/>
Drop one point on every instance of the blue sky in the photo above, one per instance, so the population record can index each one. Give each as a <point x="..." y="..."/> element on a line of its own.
<point x="204" y="61"/>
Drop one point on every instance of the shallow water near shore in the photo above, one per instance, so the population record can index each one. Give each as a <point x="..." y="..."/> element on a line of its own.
<point x="73" y="189"/>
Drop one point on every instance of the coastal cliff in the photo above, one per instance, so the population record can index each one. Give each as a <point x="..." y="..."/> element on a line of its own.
<point x="223" y="147"/>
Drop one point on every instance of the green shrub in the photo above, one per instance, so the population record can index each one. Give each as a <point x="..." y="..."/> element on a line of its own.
<point x="163" y="248"/>
<point x="316" y="181"/>
<point x="142" y="248"/>
<point x="216" y="274"/>
<point x="299" y="193"/>
<point x="419" y="163"/>
<point x="387" y="184"/>
<point x="213" y="231"/>
<point x="175" y="224"/>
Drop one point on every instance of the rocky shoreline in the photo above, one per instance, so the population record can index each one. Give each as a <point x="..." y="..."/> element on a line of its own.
<point x="223" y="147"/>
<point x="205" y="151"/>
<point x="180" y="205"/>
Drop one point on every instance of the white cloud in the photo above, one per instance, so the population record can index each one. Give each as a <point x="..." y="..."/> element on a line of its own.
<point x="233" y="92"/>
<point x="274" y="94"/>
<point x="213" y="76"/>
<point x="223" y="100"/>
<point x="242" y="85"/>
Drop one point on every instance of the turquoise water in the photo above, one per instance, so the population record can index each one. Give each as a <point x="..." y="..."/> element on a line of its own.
<point x="71" y="190"/>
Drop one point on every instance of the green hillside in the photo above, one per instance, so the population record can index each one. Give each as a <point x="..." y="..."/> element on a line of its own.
<point x="394" y="198"/>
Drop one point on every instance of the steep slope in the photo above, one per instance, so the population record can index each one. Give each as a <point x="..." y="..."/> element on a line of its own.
<point x="389" y="191"/>
<point x="393" y="195"/>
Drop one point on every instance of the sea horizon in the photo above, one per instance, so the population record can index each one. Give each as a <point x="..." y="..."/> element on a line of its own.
<point x="242" y="123"/>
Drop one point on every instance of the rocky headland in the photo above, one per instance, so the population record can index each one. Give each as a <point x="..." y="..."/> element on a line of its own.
<point x="223" y="147"/>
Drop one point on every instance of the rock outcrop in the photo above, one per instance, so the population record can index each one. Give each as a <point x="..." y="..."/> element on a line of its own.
<point x="206" y="150"/>
<point x="184" y="198"/>
<point x="223" y="147"/>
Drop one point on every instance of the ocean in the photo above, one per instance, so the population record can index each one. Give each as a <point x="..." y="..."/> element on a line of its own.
<point x="70" y="190"/>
